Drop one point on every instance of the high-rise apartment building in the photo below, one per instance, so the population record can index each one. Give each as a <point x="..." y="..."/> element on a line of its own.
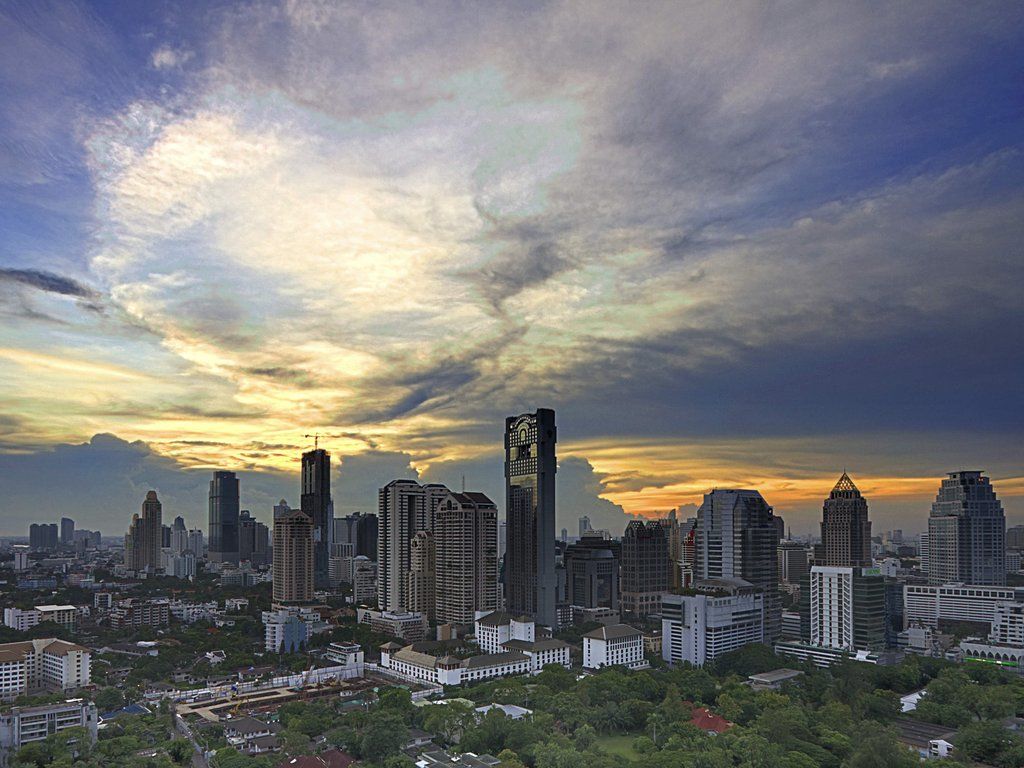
<point x="845" y="528"/>
<point x="293" y="559"/>
<point x="466" y="545"/>
<point x="223" y="529"/>
<point x="645" y="567"/>
<point x="196" y="542"/>
<point x="281" y="508"/>
<point x="43" y="537"/>
<point x="359" y="530"/>
<point x="404" y="507"/>
<point x="584" y="526"/>
<point x="422" y="574"/>
<point x="144" y="537"/>
<point x="736" y="538"/>
<point x="967" y="532"/>
<point x="316" y="505"/>
<point x="67" y="531"/>
<point x="179" y="536"/>
<point x="530" y="465"/>
<point x="253" y="540"/>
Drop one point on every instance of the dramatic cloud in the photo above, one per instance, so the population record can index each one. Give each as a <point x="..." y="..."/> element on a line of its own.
<point x="784" y="237"/>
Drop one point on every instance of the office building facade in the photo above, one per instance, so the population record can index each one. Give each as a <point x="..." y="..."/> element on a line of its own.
<point x="316" y="505"/>
<point x="845" y="527"/>
<point x="736" y="538"/>
<point x="592" y="572"/>
<point x="717" y="616"/>
<point x="645" y="567"/>
<point x="223" y="518"/>
<point x="530" y="465"/>
<point x="967" y="532"/>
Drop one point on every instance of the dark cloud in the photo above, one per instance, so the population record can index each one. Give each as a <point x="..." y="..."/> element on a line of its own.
<point x="47" y="281"/>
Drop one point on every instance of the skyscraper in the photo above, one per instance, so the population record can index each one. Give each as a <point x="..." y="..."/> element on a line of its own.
<point x="67" y="531"/>
<point x="645" y="567"/>
<point x="293" y="559"/>
<point x="404" y="507"/>
<point x="592" y="572"/>
<point x="253" y="540"/>
<point x="360" y="531"/>
<point x="736" y="538"/>
<point x="967" y="532"/>
<point x="421" y="577"/>
<point x="143" y="539"/>
<point x="530" y="465"/>
<point x="223" y="530"/>
<point x="316" y="505"/>
<point x="845" y="528"/>
<point x="584" y="526"/>
<point x="466" y="546"/>
<point x="179" y="536"/>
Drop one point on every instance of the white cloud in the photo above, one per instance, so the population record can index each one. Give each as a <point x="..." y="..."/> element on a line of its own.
<point x="166" y="57"/>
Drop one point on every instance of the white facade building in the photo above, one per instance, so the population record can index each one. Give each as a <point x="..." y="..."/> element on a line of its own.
<point x="832" y="607"/>
<point x="495" y="628"/>
<point x="720" y="616"/>
<point x="19" y="619"/>
<point x="23" y="725"/>
<point x="615" y="645"/>
<point x="930" y="604"/>
<point x="45" y="662"/>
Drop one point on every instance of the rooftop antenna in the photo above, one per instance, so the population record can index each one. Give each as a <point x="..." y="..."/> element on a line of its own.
<point x="463" y="483"/>
<point x="316" y="440"/>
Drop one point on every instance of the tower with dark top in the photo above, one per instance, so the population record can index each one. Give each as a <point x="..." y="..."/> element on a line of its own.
<point x="530" y="464"/>
<point x="315" y="504"/>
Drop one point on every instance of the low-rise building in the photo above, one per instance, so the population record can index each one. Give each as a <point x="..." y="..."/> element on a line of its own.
<point x="406" y="625"/>
<point x="42" y="663"/>
<point x="287" y="630"/>
<point x="450" y="670"/>
<point x="23" y="725"/>
<point x="932" y="604"/>
<point x="712" y="618"/>
<point x="495" y="628"/>
<point x="617" y="645"/>
<point x="773" y="680"/>
<point x="136" y="612"/>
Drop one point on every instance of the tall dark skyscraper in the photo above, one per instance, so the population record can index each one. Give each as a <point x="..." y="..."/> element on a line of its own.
<point x="845" y="528"/>
<point x="737" y="538"/>
<point x="530" y="464"/>
<point x="316" y="505"/>
<point x="67" y="531"/>
<point x="967" y="532"/>
<point x="223" y="530"/>
<point x="646" y="567"/>
<point x="253" y="539"/>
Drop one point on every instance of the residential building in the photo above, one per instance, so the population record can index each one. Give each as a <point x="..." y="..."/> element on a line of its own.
<point x="67" y="531"/>
<point x="406" y="625"/>
<point x="364" y="580"/>
<point x="360" y="531"/>
<point x="20" y="620"/>
<point x="584" y="526"/>
<point x="43" y="537"/>
<point x="293" y="567"/>
<point x="195" y="542"/>
<point x="44" y="663"/>
<point x="736" y="538"/>
<point x="967" y="532"/>
<point x="316" y="505"/>
<point x="21" y="560"/>
<point x="404" y="507"/>
<point x="713" y="618"/>
<point x="179" y="536"/>
<point x="135" y="612"/>
<point x="142" y="543"/>
<point x="422" y="576"/>
<point x="530" y="466"/>
<point x="615" y="645"/>
<point x="253" y="540"/>
<point x="466" y="543"/>
<point x="646" y="567"/>
<point x="23" y="725"/>
<point x="288" y="629"/>
<point x="847" y="608"/>
<point x="223" y="518"/>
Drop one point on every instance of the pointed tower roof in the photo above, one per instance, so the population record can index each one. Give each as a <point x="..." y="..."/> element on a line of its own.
<point x="845" y="484"/>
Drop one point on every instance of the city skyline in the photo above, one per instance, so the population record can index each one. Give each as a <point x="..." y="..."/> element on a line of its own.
<point x="761" y="248"/>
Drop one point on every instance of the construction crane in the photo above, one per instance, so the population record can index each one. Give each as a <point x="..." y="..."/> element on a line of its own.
<point x="316" y="440"/>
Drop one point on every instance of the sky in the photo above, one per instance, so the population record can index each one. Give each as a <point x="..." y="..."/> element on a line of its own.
<point x="731" y="244"/>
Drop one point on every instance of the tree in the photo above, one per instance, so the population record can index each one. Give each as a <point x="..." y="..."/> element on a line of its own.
<point x="450" y="720"/>
<point x="108" y="699"/>
<point x="385" y="735"/>
<point x="986" y="741"/>
<point x="584" y="737"/>
<point x="879" y="749"/>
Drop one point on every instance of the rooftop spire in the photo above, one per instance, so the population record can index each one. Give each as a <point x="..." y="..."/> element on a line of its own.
<point x="845" y="484"/>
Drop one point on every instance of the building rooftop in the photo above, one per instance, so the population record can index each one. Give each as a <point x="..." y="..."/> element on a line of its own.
<point x="613" y="632"/>
<point x="775" y="676"/>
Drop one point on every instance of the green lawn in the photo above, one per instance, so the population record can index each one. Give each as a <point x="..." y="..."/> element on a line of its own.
<point x="621" y="746"/>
